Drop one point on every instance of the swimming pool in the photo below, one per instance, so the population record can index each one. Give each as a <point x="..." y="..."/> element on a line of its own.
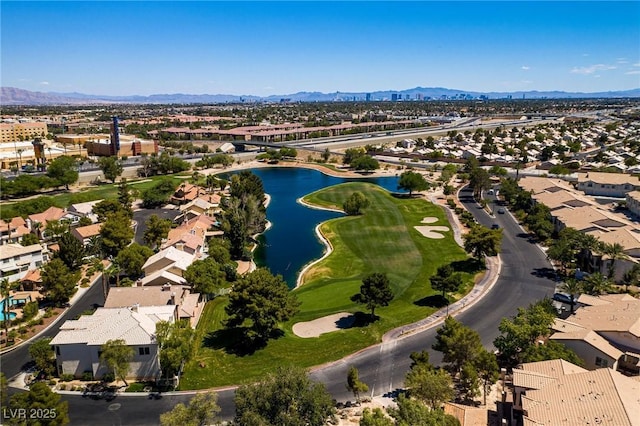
<point x="12" y="315"/>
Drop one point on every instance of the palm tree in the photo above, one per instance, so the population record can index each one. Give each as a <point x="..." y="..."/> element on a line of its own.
<point x="596" y="284"/>
<point x="631" y="277"/>
<point x="573" y="287"/>
<point x="615" y="251"/>
<point x="6" y="291"/>
<point x="114" y="270"/>
<point x="98" y="266"/>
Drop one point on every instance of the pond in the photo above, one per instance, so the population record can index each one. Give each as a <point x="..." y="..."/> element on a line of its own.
<point x="291" y="241"/>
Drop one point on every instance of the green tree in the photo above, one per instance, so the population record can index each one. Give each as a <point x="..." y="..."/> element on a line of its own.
<point x="40" y="397"/>
<point x="132" y="258"/>
<point x="573" y="287"/>
<point x="126" y="196"/>
<point x="365" y="163"/>
<point x="71" y="251"/>
<point x="486" y="364"/>
<point x="431" y="386"/>
<point x="375" y="291"/>
<point x="42" y="354"/>
<point x="117" y="356"/>
<point x="29" y="239"/>
<point x="479" y="180"/>
<point x="355" y="203"/>
<point x="206" y="277"/>
<point x="30" y="310"/>
<point x="412" y="181"/>
<point x="411" y="412"/>
<point x="458" y="343"/>
<point x="111" y="167"/>
<point x="116" y="233"/>
<point x="258" y="302"/>
<point x="4" y="390"/>
<point x="84" y="221"/>
<point x="420" y="359"/>
<point x="58" y="281"/>
<point x="446" y="280"/>
<point x="482" y="241"/>
<point x="201" y="411"/>
<point x="354" y="384"/>
<point x="157" y="230"/>
<point x="158" y="194"/>
<point x="377" y="417"/>
<point x="63" y="171"/>
<point x="351" y="154"/>
<point x="326" y="154"/>
<point x="524" y="330"/>
<point x="551" y="349"/>
<point x="245" y="184"/>
<point x="284" y="398"/>
<point x="106" y="208"/>
<point x="468" y="382"/>
<point x="176" y="343"/>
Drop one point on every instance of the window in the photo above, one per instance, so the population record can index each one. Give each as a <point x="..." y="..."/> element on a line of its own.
<point x="601" y="362"/>
<point x="143" y="351"/>
<point x="57" y="350"/>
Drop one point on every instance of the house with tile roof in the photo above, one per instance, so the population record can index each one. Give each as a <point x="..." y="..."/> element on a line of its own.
<point x="77" y="346"/>
<point x="187" y="304"/>
<point x="16" y="260"/>
<point x="168" y="265"/>
<point x="52" y="213"/>
<point x="13" y="230"/>
<point x="556" y="392"/>
<point x="604" y="331"/>
<point x="85" y="233"/>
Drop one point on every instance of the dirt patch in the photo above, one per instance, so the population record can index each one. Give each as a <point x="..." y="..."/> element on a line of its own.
<point x="429" y="219"/>
<point x="432" y="231"/>
<point x="323" y="325"/>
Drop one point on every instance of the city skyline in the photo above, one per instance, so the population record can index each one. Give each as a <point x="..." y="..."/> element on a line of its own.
<point x="271" y="48"/>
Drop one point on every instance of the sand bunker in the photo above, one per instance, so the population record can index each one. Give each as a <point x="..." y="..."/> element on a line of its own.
<point x="429" y="219"/>
<point x="432" y="231"/>
<point x="323" y="325"/>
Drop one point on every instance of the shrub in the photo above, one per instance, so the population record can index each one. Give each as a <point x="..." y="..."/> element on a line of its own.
<point x="48" y="313"/>
<point x="62" y="386"/>
<point x="30" y="310"/>
<point x="108" y="377"/>
<point x="66" y="377"/>
<point x="87" y="376"/>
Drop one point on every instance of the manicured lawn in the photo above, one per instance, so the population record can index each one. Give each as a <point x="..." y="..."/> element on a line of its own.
<point x="105" y="191"/>
<point x="381" y="240"/>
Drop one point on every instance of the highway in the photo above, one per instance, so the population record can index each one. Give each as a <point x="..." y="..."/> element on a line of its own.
<point x="382" y="366"/>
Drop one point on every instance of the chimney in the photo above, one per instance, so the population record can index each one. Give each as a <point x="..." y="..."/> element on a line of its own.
<point x="139" y="283"/>
<point x="173" y="298"/>
<point x="135" y="307"/>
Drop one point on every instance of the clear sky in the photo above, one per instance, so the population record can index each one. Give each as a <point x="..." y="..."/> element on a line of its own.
<point x="265" y="48"/>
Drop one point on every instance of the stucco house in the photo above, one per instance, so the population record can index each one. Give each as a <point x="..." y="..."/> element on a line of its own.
<point x="77" y="346"/>
<point x="607" y="184"/>
<point x="16" y="260"/>
<point x="604" y="331"/>
<point x="557" y="392"/>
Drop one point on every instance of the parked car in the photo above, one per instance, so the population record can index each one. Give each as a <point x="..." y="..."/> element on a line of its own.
<point x="495" y="226"/>
<point x="561" y="297"/>
<point x="501" y="210"/>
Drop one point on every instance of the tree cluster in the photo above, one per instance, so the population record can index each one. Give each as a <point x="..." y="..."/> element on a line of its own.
<point x="62" y="171"/>
<point x="162" y="164"/>
<point x="353" y="205"/>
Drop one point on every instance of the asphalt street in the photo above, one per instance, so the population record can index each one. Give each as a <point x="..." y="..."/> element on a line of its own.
<point x="383" y="366"/>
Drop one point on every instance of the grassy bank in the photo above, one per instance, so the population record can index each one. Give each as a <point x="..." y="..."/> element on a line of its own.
<point x="382" y="240"/>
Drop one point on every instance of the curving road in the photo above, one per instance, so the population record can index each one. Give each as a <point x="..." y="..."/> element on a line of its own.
<point x="382" y="366"/>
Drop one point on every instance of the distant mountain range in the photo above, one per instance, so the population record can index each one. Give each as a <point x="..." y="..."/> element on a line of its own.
<point x="15" y="96"/>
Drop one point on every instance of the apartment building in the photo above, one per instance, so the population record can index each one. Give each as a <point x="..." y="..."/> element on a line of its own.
<point x="14" y="132"/>
<point x="16" y="260"/>
<point x="615" y="185"/>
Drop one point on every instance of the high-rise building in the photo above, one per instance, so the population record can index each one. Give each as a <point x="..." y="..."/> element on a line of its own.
<point x="368" y="97"/>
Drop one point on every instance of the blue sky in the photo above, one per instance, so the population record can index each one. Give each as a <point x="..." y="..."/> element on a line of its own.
<point x="264" y="48"/>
